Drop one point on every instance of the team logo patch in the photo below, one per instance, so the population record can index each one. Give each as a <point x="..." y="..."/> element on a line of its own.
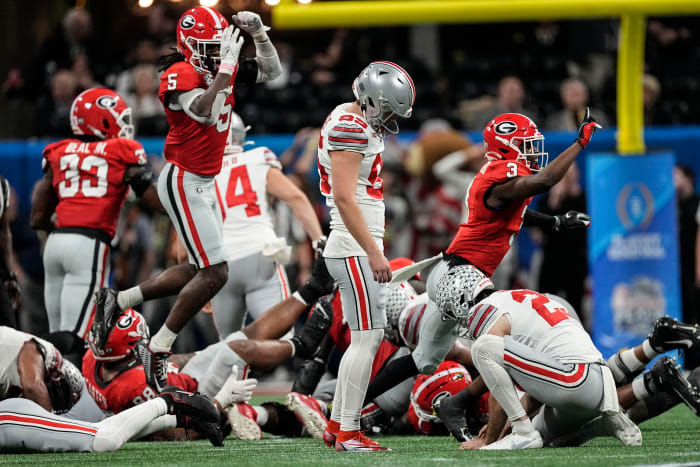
<point x="187" y="22"/>
<point x="124" y="322"/>
<point x="505" y="128"/>
<point x="107" y="102"/>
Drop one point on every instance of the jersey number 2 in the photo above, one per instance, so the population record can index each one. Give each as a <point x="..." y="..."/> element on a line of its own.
<point x="539" y="304"/>
<point x="248" y="197"/>
<point x="72" y="183"/>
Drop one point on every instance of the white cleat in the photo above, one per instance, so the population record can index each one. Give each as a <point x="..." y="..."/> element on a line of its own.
<point x="515" y="441"/>
<point x="308" y="411"/>
<point x="618" y="425"/>
<point x="243" y="421"/>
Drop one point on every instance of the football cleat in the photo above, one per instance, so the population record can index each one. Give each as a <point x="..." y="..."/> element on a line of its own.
<point x="618" y="425"/>
<point x="359" y="443"/>
<point x="666" y="375"/>
<point x="669" y="334"/>
<point x="316" y="327"/>
<point x="515" y="441"/>
<point x="243" y="419"/>
<point x="155" y="366"/>
<point x="209" y="430"/>
<point x="106" y="315"/>
<point x="329" y="438"/>
<point x="186" y="404"/>
<point x="309" y="412"/>
<point x="453" y="418"/>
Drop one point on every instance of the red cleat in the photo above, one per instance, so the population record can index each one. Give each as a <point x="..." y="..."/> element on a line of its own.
<point x="359" y="443"/>
<point x="309" y="412"/>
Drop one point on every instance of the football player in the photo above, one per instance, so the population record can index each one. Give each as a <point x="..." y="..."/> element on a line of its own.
<point x="349" y="164"/>
<point x="246" y="181"/>
<point x="196" y="90"/>
<point x="86" y="180"/>
<point x="10" y="294"/>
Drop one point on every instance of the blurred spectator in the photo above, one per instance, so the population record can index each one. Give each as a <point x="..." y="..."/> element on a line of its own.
<point x="146" y="110"/>
<point x="653" y="115"/>
<point x="476" y="113"/>
<point x="565" y="261"/>
<point x="574" y="97"/>
<point x="135" y="257"/>
<point x="54" y="110"/>
<point x="145" y="53"/>
<point x="10" y="294"/>
<point x="326" y="63"/>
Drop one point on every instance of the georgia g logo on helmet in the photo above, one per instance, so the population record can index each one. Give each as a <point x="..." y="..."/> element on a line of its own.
<point x="505" y="128"/>
<point x="124" y="322"/>
<point x="187" y="22"/>
<point x="106" y="102"/>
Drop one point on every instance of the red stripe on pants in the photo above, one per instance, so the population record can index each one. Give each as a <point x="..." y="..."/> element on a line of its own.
<point x="47" y="423"/>
<point x="190" y="221"/>
<point x="364" y="313"/>
<point x="564" y="378"/>
<point x="285" y="293"/>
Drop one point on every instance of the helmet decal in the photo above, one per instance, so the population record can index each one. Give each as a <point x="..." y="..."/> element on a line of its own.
<point x="505" y="128"/>
<point x="106" y="102"/>
<point x="187" y="22"/>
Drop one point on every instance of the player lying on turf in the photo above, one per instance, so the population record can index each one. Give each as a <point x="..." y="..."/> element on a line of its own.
<point x="27" y="426"/>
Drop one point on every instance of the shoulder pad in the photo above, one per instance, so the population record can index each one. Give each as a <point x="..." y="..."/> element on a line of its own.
<point x="347" y="135"/>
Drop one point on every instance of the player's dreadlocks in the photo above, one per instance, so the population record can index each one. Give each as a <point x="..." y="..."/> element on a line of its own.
<point x="166" y="61"/>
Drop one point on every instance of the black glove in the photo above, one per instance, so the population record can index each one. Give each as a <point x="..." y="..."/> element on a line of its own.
<point x="13" y="290"/>
<point x="572" y="220"/>
<point x="587" y="129"/>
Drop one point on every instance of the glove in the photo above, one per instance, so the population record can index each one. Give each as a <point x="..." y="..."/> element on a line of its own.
<point x="587" y="129"/>
<point x="13" y="291"/>
<point x="231" y="44"/>
<point x="251" y="23"/>
<point x="234" y="391"/>
<point x="319" y="245"/>
<point x="572" y="220"/>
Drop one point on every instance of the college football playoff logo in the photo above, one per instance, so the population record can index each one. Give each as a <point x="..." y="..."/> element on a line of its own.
<point x="505" y="128"/>
<point x="107" y="102"/>
<point x="187" y="22"/>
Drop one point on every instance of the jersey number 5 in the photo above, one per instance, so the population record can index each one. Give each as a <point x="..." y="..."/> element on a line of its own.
<point x="248" y="197"/>
<point x="72" y="183"/>
<point x="539" y="304"/>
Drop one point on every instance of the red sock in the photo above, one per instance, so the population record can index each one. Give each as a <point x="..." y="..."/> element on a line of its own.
<point x="333" y="427"/>
<point x="347" y="435"/>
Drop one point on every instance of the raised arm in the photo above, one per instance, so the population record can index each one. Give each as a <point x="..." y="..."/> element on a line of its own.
<point x="268" y="66"/>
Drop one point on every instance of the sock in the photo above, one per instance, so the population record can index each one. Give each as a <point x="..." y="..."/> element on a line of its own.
<point x="129" y="297"/>
<point x="261" y="415"/>
<point x="639" y="388"/>
<point x="114" y="431"/>
<point x="163" y="340"/>
<point x="522" y="427"/>
<point x="649" y="351"/>
<point x="631" y="361"/>
<point x="219" y="370"/>
<point x="393" y="373"/>
<point x="333" y="426"/>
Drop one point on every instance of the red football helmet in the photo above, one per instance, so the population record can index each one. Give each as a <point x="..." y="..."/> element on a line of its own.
<point x="515" y="137"/>
<point x="448" y="380"/>
<point x="129" y="330"/>
<point x="199" y="37"/>
<point x="101" y="112"/>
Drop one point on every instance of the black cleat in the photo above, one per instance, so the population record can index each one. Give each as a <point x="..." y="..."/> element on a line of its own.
<point x="669" y="334"/>
<point x="666" y="375"/>
<point x="209" y="430"/>
<point x="107" y="313"/>
<point x="185" y="404"/>
<point x="453" y="418"/>
<point x="155" y="366"/>
<point x="316" y="327"/>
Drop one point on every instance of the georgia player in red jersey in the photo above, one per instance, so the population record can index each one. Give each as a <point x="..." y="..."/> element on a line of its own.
<point x="197" y="92"/>
<point x="86" y="179"/>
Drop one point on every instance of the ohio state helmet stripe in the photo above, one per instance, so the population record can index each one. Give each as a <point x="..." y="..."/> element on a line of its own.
<point x="408" y="77"/>
<point x="213" y="15"/>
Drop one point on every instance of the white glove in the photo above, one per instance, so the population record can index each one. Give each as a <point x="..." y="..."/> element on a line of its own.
<point x="234" y="390"/>
<point x="251" y="23"/>
<point x="231" y="44"/>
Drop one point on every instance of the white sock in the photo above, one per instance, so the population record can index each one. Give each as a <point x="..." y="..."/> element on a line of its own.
<point x="261" y="415"/>
<point x="129" y="297"/>
<point x="163" y="340"/>
<point x="219" y="370"/>
<point x="649" y="351"/>
<point x="354" y="373"/>
<point x="487" y="355"/>
<point x="631" y="361"/>
<point x="522" y="427"/>
<point x="639" y="389"/>
<point x="114" y="431"/>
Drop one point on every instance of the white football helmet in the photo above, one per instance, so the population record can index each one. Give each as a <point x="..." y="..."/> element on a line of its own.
<point x="397" y="297"/>
<point x="236" y="134"/>
<point x="385" y="91"/>
<point x="458" y="290"/>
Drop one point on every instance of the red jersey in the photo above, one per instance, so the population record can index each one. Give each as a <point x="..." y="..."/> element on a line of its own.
<point x="488" y="232"/>
<point x="89" y="180"/>
<point x="193" y="146"/>
<point x="128" y="388"/>
<point x="340" y="333"/>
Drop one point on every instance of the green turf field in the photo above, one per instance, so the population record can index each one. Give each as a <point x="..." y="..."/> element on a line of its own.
<point x="671" y="438"/>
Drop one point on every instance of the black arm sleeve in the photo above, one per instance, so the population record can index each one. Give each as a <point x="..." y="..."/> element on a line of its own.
<point x="247" y="71"/>
<point x="538" y="219"/>
<point x="140" y="179"/>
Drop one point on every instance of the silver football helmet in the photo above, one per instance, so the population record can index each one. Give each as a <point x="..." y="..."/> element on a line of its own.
<point x="458" y="289"/>
<point x="236" y="134"/>
<point x="385" y="91"/>
<point x="397" y="297"/>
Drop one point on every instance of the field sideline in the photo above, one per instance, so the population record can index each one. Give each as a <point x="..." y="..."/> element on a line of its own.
<point x="671" y="438"/>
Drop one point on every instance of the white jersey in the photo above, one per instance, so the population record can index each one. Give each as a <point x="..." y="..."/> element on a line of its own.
<point x="242" y="192"/>
<point x="540" y="322"/>
<point x="11" y="342"/>
<point x="411" y="318"/>
<point x="345" y="131"/>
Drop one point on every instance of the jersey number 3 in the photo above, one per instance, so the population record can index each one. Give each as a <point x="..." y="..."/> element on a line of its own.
<point x="72" y="183"/>
<point x="247" y="197"/>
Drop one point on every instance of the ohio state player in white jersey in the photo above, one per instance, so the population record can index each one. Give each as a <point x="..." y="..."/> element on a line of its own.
<point x="256" y="280"/>
<point x="349" y="162"/>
